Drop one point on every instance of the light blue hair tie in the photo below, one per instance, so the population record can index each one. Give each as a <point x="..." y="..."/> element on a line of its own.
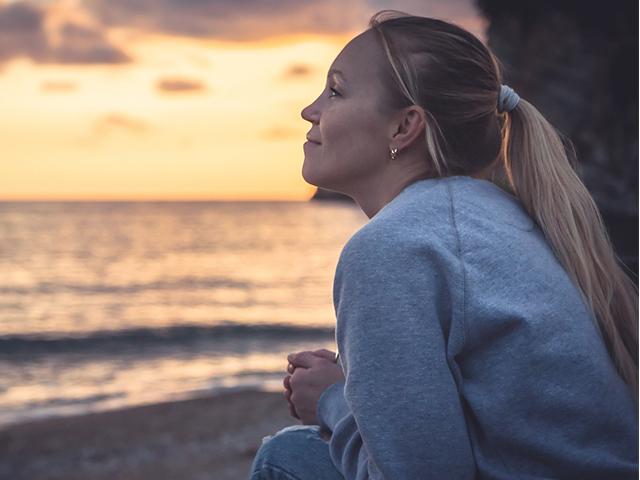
<point x="508" y="99"/>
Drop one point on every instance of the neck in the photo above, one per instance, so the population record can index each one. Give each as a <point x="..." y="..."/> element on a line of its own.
<point x="373" y="196"/>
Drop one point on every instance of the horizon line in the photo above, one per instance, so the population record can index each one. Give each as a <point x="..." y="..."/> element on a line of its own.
<point x="157" y="198"/>
<point x="150" y="200"/>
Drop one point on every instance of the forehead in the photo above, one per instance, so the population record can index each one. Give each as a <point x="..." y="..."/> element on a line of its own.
<point x="358" y="60"/>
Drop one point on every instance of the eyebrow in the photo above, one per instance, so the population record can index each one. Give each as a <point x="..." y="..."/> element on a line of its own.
<point x="335" y="71"/>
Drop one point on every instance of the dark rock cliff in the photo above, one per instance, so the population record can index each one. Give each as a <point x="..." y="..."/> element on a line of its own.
<point x="577" y="62"/>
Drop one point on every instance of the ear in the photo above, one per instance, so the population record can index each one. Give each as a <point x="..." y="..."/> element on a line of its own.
<point x="409" y="126"/>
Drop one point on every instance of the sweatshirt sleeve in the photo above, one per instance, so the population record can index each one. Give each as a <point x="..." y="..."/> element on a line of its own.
<point x="398" y="414"/>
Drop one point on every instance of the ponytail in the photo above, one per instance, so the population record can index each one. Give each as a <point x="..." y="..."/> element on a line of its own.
<point x="436" y="64"/>
<point x="540" y="174"/>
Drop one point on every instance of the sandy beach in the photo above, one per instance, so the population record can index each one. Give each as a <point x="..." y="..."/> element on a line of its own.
<point x="198" y="439"/>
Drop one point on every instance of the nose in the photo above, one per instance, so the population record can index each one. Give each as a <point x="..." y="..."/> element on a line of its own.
<point x="310" y="113"/>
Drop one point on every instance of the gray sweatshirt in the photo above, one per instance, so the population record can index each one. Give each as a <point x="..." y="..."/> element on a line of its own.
<point x="467" y="351"/>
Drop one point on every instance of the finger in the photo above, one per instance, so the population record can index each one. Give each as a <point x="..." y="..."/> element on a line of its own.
<point x="292" y="355"/>
<point x="291" y="368"/>
<point x="292" y="412"/>
<point x="304" y="359"/>
<point x="292" y="408"/>
<point x="287" y="382"/>
<point x="324" y="353"/>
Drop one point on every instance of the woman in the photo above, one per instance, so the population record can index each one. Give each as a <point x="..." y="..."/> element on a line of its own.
<point x="484" y="326"/>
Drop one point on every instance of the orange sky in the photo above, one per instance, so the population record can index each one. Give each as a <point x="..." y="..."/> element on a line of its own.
<point x="98" y="103"/>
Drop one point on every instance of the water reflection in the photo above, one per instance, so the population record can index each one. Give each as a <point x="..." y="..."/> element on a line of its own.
<point x="111" y="304"/>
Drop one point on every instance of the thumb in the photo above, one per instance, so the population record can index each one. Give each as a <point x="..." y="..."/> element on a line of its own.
<point x="303" y="359"/>
<point x="324" y="353"/>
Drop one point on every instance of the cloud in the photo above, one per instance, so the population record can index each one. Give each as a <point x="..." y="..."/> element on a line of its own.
<point x="58" y="86"/>
<point x="117" y="121"/>
<point x="113" y="125"/>
<point x="252" y="20"/>
<point x="83" y="45"/>
<point x="279" y="132"/>
<point x="248" y="20"/>
<point x="24" y="33"/>
<point x="180" y="85"/>
<point x="80" y="31"/>
<point x="297" y="71"/>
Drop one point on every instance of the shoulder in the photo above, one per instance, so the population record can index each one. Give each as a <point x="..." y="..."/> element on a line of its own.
<point x="483" y="202"/>
<point x="416" y="223"/>
<point x="427" y="210"/>
<point x="432" y="218"/>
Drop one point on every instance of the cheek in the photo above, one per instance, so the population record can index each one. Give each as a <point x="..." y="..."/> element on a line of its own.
<point x="349" y="136"/>
<point x="352" y="148"/>
<point x="337" y="126"/>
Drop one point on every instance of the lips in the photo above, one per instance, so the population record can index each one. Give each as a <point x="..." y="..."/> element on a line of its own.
<point x="312" y="140"/>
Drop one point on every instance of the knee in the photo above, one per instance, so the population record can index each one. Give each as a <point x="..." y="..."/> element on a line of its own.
<point x="276" y="458"/>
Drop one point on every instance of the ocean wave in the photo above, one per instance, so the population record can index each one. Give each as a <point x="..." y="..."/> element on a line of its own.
<point x="112" y="341"/>
<point x="187" y="283"/>
<point x="69" y="401"/>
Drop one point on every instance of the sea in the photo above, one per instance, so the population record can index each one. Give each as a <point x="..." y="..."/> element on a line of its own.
<point x="106" y="305"/>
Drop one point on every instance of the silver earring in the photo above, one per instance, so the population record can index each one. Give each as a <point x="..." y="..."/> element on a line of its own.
<point x="394" y="153"/>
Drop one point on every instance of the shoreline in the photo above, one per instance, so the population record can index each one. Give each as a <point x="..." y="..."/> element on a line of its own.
<point x="205" y="437"/>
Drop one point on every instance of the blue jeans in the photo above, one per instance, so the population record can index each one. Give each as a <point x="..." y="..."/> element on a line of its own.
<point x="294" y="453"/>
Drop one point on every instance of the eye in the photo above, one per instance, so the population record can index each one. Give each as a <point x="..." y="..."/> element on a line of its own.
<point x="333" y="90"/>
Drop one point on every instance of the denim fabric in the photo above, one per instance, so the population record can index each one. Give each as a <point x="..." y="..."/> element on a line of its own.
<point x="294" y="453"/>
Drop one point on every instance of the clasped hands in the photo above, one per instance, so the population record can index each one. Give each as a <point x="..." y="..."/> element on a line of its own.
<point x="310" y="373"/>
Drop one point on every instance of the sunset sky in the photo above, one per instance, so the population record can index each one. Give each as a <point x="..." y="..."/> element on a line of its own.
<point x="170" y="99"/>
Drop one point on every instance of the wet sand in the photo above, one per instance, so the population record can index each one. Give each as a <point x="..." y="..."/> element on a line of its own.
<point x="204" y="438"/>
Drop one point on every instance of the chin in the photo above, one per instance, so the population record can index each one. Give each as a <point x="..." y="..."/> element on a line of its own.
<point x="305" y="175"/>
<point x="317" y="178"/>
<point x="325" y="176"/>
<point x="312" y="176"/>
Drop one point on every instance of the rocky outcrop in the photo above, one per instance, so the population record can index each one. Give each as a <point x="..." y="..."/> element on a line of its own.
<point x="322" y="194"/>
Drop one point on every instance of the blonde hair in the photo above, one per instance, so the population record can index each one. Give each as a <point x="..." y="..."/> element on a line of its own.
<point x="456" y="79"/>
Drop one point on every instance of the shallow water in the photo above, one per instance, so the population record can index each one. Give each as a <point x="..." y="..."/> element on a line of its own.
<point x="107" y="304"/>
